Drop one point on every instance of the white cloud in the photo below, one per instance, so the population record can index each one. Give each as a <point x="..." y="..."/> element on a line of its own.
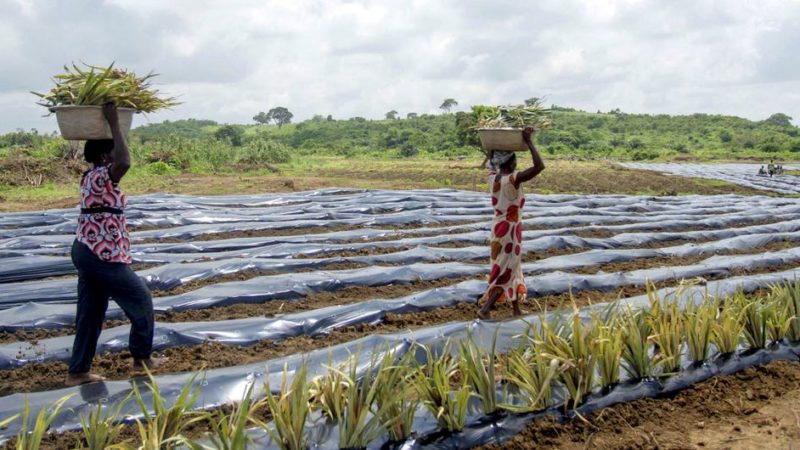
<point x="228" y="60"/>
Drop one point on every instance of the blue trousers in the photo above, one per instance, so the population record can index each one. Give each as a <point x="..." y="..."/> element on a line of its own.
<point x="97" y="281"/>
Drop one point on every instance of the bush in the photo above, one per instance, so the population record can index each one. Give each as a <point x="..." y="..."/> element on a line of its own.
<point x="725" y="136"/>
<point x="770" y="147"/>
<point x="263" y="151"/>
<point x="643" y="155"/>
<point x="161" y="168"/>
<point x="408" y="150"/>
<point x="795" y="147"/>
<point x="231" y="134"/>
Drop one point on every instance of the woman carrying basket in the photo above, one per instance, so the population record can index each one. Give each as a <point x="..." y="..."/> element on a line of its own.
<point x="100" y="252"/>
<point x="506" y="281"/>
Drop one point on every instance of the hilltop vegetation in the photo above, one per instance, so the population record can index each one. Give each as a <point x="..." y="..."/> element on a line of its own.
<point x="576" y="134"/>
<point x="206" y="147"/>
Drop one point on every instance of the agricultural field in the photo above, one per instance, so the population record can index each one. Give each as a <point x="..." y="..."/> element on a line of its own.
<point x="652" y="320"/>
<point x="745" y="175"/>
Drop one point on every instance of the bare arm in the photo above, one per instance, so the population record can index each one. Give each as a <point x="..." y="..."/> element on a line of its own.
<point x="538" y="164"/>
<point x="121" y="160"/>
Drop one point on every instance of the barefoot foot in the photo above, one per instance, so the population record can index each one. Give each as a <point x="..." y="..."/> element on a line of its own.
<point x="76" y="379"/>
<point x="148" y="363"/>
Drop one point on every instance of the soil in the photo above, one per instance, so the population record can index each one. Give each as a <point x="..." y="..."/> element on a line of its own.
<point x="249" y="274"/>
<point x="352" y="294"/>
<point x="296" y="232"/>
<point x="753" y="409"/>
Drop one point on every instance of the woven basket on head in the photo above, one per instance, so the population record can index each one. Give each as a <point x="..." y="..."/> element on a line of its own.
<point x="505" y="139"/>
<point x="80" y="123"/>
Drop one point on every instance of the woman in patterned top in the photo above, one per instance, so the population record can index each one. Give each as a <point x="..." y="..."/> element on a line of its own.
<point x="101" y="255"/>
<point x="505" y="278"/>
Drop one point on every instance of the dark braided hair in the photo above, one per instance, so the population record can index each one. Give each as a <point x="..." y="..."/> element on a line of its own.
<point x="94" y="150"/>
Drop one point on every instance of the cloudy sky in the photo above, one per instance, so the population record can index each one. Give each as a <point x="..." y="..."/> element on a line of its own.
<point x="230" y="59"/>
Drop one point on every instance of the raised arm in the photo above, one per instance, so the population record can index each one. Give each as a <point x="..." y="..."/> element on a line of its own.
<point x="121" y="157"/>
<point x="538" y="164"/>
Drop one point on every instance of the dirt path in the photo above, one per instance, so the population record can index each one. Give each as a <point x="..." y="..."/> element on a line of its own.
<point x="758" y="408"/>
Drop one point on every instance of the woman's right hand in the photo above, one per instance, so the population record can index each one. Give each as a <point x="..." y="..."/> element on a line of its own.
<point x="527" y="132"/>
<point x="110" y="113"/>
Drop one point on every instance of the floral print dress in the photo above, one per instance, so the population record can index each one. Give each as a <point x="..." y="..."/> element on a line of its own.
<point x="505" y="276"/>
<point x="101" y="224"/>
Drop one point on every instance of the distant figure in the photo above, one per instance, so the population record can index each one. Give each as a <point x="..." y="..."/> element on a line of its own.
<point x="506" y="281"/>
<point x="762" y="172"/>
<point x="771" y="167"/>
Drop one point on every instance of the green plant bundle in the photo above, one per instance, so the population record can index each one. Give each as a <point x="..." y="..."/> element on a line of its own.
<point x="666" y="321"/>
<point x="229" y="430"/>
<point x="432" y="383"/>
<point x="328" y="392"/>
<point x="479" y="371"/>
<point x="574" y="346"/>
<point x="395" y="403"/>
<point x="699" y="323"/>
<point x="609" y="352"/>
<point x="788" y="294"/>
<point x="163" y="426"/>
<point x="289" y="410"/>
<point x="512" y="116"/>
<point x="754" y="316"/>
<point x="636" y="356"/>
<point x="102" y="428"/>
<point x="532" y="373"/>
<point x="726" y="331"/>
<point x="357" y="423"/>
<point x="97" y="85"/>
<point x="31" y="433"/>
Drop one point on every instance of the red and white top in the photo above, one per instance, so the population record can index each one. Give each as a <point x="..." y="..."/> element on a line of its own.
<point x="101" y="225"/>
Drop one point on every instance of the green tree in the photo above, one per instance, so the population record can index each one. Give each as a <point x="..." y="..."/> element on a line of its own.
<point x="725" y="136"/>
<point x="448" y="104"/>
<point x="533" y="101"/>
<point x="780" y="119"/>
<point x="280" y="115"/>
<point x="412" y="115"/>
<point x="391" y="115"/>
<point x="261" y="118"/>
<point x="231" y="134"/>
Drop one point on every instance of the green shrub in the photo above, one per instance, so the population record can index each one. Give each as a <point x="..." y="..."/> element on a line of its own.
<point x="408" y="150"/>
<point x="263" y="151"/>
<point x="161" y="168"/>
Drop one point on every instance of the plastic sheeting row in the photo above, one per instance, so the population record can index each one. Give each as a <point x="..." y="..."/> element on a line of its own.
<point x="251" y="330"/>
<point x="26" y="242"/>
<point x="21" y="262"/>
<point x="22" y="268"/>
<point x="161" y="210"/>
<point x="221" y="386"/>
<point x="741" y="174"/>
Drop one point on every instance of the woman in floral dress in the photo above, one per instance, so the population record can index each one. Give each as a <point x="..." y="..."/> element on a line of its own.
<point x="101" y="253"/>
<point x="506" y="281"/>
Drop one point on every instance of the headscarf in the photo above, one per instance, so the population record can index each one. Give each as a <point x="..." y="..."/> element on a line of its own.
<point x="499" y="158"/>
